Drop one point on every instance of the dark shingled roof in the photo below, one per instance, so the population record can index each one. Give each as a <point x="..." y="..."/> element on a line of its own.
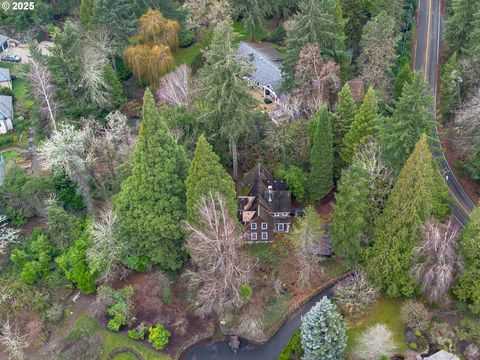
<point x="266" y="62"/>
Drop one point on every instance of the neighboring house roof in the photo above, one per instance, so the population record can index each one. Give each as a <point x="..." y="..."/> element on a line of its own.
<point x="3" y="38"/>
<point x="442" y="355"/>
<point x="6" y="107"/>
<point x="266" y="62"/>
<point x="5" y="75"/>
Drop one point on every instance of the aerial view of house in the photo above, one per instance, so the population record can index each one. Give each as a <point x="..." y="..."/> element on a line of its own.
<point x="240" y="180"/>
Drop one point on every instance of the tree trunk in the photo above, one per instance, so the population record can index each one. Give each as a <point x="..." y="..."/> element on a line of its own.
<point x="233" y="146"/>
<point x="251" y="30"/>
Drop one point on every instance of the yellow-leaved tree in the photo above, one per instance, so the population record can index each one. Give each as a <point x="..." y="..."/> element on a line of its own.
<point x="150" y="56"/>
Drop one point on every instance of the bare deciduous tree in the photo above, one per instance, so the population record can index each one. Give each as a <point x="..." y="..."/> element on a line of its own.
<point x="220" y="269"/>
<point x="307" y="235"/>
<point x="105" y="254"/>
<point x="370" y="156"/>
<point x="317" y="80"/>
<point x="436" y="260"/>
<point x="356" y="295"/>
<point x="70" y="150"/>
<point x="206" y="14"/>
<point x="376" y="341"/>
<point x="12" y="341"/>
<point x="44" y="91"/>
<point x="463" y="133"/>
<point x="416" y="315"/>
<point x="8" y="236"/>
<point x="174" y="87"/>
<point x="93" y="76"/>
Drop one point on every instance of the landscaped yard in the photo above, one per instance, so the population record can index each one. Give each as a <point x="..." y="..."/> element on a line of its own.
<point x="386" y="311"/>
<point x="111" y="340"/>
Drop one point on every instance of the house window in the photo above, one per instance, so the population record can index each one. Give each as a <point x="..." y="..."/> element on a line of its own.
<point x="253" y="236"/>
<point x="253" y="226"/>
<point x="264" y="235"/>
<point x="264" y="226"/>
<point x="280" y="227"/>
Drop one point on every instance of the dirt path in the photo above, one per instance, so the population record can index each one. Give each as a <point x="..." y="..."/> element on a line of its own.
<point x="82" y="306"/>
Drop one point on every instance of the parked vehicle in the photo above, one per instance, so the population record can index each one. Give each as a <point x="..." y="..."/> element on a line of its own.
<point x="298" y="212"/>
<point x="11" y="58"/>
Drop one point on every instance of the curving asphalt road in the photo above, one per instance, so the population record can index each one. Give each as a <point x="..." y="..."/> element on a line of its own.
<point x="427" y="48"/>
<point x="220" y="350"/>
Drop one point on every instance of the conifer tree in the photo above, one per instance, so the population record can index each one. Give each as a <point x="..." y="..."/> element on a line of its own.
<point x="229" y="103"/>
<point x="323" y="332"/>
<point x="151" y="202"/>
<point x="468" y="288"/>
<point x="410" y="119"/>
<point x="321" y="156"/>
<point x="417" y="195"/>
<point x="356" y="14"/>
<point x="460" y="24"/>
<point x="393" y="9"/>
<point x="319" y="22"/>
<point x="365" y="125"/>
<point x="206" y="177"/>
<point x="342" y="118"/>
<point x="450" y="87"/>
<point x="404" y="76"/>
<point x="351" y="214"/>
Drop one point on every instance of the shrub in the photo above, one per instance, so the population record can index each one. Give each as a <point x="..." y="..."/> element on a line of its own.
<point x="159" y="336"/>
<point x="117" y="303"/>
<point x="416" y="316"/>
<point x="55" y="313"/>
<point x="375" y="342"/>
<point x="412" y="346"/>
<point x="139" y="332"/>
<point x="356" y="295"/>
<point x="293" y="348"/>
<point x="246" y="292"/>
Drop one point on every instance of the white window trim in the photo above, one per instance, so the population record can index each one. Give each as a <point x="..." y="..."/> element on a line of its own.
<point x="264" y="226"/>
<point x="264" y="235"/>
<point x="281" y="227"/>
<point x="253" y="226"/>
<point x="253" y="236"/>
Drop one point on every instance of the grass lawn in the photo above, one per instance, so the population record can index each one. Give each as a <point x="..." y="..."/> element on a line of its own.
<point x="21" y="88"/>
<point x="240" y="28"/>
<point x="275" y="309"/>
<point x="112" y="340"/>
<point x="387" y="311"/>
<point x="10" y="155"/>
<point x="186" y="55"/>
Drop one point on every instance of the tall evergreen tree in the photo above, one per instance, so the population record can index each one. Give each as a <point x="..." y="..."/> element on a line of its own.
<point x="417" y="195"/>
<point x="319" y="22"/>
<point x="323" y="332"/>
<point x="151" y="202"/>
<point x="356" y="14"/>
<point x="461" y="23"/>
<point x="229" y="103"/>
<point x="450" y="87"/>
<point x="378" y="54"/>
<point x="468" y="288"/>
<point x="321" y="156"/>
<point x="342" y="118"/>
<point x="206" y="177"/>
<point x="351" y="214"/>
<point x="404" y="76"/>
<point x="365" y="125"/>
<point x="411" y="118"/>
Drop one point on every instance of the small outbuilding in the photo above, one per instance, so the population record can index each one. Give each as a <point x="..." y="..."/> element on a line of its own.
<point x="3" y="43"/>
<point x="442" y="355"/>
<point x="6" y="114"/>
<point x="5" y="79"/>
